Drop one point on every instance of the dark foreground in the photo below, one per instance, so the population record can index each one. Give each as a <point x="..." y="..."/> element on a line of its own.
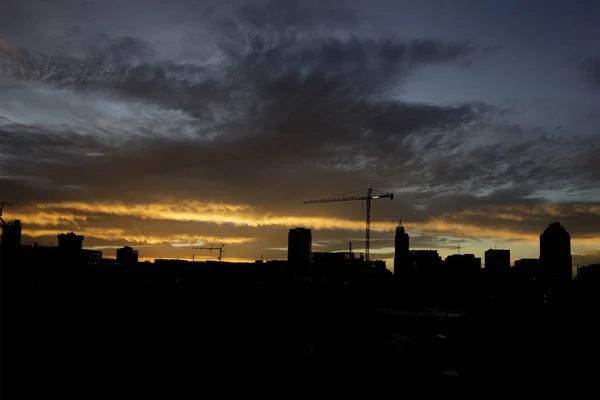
<point x="113" y="342"/>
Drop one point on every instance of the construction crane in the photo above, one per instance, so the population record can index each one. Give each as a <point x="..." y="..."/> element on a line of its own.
<point x="368" y="198"/>
<point x="2" y="204"/>
<point x="211" y="248"/>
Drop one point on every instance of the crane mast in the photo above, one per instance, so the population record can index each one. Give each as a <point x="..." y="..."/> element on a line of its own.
<point x="368" y="198"/>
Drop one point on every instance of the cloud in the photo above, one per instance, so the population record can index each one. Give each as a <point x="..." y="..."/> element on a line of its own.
<point x="129" y="237"/>
<point x="592" y="257"/>
<point x="500" y="222"/>
<point x="279" y="112"/>
<point x="108" y="125"/>
<point x="591" y="70"/>
<point x="53" y="213"/>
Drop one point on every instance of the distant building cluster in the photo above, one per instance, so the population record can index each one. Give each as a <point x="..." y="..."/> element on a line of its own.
<point x="554" y="262"/>
<point x="422" y="273"/>
<point x="69" y="251"/>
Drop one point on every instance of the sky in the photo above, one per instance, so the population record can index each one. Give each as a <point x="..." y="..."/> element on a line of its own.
<point x="167" y="125"/>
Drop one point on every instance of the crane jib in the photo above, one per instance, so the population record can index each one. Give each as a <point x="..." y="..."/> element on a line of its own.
<point x="368" y="197"/>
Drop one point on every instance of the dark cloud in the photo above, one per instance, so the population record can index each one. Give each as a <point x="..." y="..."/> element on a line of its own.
<point x="292" y="109"/>
<point x="591" y="70"/>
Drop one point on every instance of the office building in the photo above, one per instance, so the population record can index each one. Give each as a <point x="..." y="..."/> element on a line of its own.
<point x="555" y="253"/>
<point x="70" y="241"/>
<point x="497" y="260"/>
<point x="11" y="234"/>
<point x="299" y="246"/>
<point x="127" y="256"/>
<point x="11" y="241"/>
<point x="462" y="263"/>
<point x="402" y="255"/>
<point x="91" y="257"/>
<point x="426" y="261"/>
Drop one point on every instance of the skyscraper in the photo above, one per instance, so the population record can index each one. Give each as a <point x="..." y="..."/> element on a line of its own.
<point x="11" y="235"/>
<point x="497" y="260"/>
<point x="555" y="253"/>
<point x="299" y="245"/>
<point x="402" y="255"/>
<point x="11" y="241"/>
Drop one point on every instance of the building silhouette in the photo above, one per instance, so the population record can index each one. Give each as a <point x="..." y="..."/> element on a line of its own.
<point x="555" y="253"/>
<point x="70" y="241"/>
<point x="127" y="256"/>
<point x="71" y="251"/>
<point x="528" y="266"/>
<point x="426" y="261"/>
<point x="497" y="260"/>
<point x="403" y="264"/>
<point x="299" y="245"/>
<point x="11" y="241"/>
<point x="11" y="234"/>
<point x="327" y="257"/>
<point x="462" y="263"/>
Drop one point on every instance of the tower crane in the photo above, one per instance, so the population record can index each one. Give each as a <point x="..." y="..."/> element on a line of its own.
<point x="2" y="204"/>
<point x="211" y="248"/>
<point x="368" y="198"/>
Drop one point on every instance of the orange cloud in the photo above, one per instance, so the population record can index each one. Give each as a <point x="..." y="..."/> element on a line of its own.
<point x="121" y="234"/>
<point x="53" y="214"/>
<point x="241" y="215"/>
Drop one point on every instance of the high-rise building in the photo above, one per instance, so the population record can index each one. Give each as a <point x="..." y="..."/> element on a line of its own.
<point x="497" y="260"/>
<point x="402" y="255"/>
<point x="70" y="241"/>
<point x="127" y="256"/>
<point x="426" y="261"/>
<point x="11" y="240"/>
<point x="11" y="234"/>
<point x="555" y="253"/>
<point x="462" y="263"/>
<point x="299" y="245"/>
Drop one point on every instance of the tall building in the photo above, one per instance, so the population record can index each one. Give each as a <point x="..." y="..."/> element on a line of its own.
<point x="497" y="260"/>
<point x="299" y="245"/>
<point x="426" y="261"/>
<point x="11" y="234"/>
<point x="462" y="263"/>
<point x="402" y="255"/>
<point x="11" y="241"/>
<point x="127" y="256"/>
<point x="70" y="241"/>
<point x="555" y="253"/>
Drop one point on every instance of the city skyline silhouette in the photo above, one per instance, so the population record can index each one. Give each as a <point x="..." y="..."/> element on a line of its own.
<point x="525" y="246"/>
<point x="161" y="164"/>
